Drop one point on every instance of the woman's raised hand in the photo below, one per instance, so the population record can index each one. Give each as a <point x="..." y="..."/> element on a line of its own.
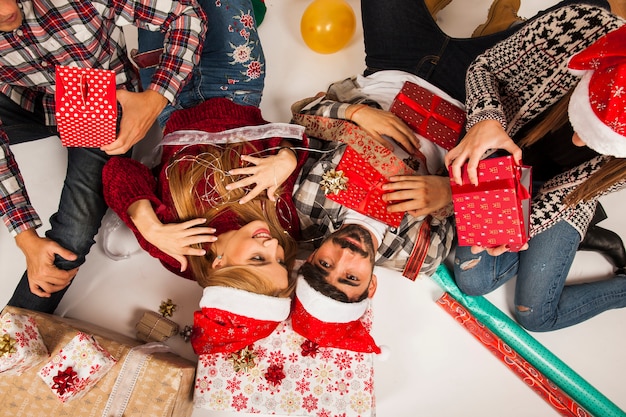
<point x="483" y="136"/>
<point x="267" y="173"/>
<point x="174" y="239"/>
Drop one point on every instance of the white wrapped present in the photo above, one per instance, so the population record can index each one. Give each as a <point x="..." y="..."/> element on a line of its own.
<point x="76" y="367"/>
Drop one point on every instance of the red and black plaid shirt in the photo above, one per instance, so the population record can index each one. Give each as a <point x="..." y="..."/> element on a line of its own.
<point x="85" y="34"/>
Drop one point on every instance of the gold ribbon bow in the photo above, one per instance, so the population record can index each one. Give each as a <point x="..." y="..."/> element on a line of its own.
<point x="7" y="345"/>
<point x="243" y="360"/>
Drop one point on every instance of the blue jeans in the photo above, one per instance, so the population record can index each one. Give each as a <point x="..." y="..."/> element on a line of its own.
<point x="402" y="35"/>
<point x="232" y="64"/>
<point x="543" y="301"/>
<point x="81" y="206"/>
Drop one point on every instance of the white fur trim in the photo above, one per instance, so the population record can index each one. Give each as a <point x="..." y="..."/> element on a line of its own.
<point x="593" y="131"/>
<point x="245" y="303"/>
<point x="325" y="308"/>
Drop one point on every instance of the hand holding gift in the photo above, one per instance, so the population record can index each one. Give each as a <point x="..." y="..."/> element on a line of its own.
<point x="493" y="214"/>
<point x="86" y="107"/>
<point x="431" y="115"/>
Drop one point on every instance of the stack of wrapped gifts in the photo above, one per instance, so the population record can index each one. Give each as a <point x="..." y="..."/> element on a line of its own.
<point x="53" y="366"/>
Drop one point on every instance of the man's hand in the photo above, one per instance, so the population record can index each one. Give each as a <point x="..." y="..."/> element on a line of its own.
<point x="482" y="137"/>
<point x="417" y="195"/>
<point x="139" y="111"/>
<point x="44" y="278"/>
<point x="378" y="122"/>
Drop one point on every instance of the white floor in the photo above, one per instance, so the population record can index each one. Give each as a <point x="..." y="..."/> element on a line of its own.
<point x="436" y="368"/>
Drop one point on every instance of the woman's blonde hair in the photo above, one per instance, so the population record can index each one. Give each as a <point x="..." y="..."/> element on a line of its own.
<point x="188" y="177"/>
<point x="613" y="171"/>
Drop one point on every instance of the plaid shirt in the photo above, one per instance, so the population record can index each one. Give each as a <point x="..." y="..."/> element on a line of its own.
<point x="320" y="216"/>
<point x="85" y="34"/>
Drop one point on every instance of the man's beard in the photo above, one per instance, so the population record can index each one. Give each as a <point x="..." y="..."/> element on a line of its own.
<point x="356" y="233"/>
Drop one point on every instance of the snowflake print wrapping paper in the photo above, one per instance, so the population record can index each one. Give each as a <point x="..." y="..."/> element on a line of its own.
<point x="286" y="374"/>
<point x="76" y="367"/>
<point x="86" y="106"/>
<point x="21" y="345"/>
<point x="496" y="211"/>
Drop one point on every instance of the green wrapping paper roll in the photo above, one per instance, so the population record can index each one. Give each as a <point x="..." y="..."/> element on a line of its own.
<point x="530" y="349"/>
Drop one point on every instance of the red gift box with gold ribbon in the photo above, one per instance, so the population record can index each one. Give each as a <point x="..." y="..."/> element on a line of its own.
<point x="360" y="188"/>
<point x="429" y="115"/>
<point x="494" y="212"/>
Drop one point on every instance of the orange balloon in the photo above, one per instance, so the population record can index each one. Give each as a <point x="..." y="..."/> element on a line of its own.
<point x="327" y="25"/>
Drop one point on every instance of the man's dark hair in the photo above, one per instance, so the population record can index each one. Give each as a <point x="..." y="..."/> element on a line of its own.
<point x="316" y="278"/>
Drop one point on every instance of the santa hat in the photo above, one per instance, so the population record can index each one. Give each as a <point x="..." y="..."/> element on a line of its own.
<point x="330" y="323"/>
<point x="231" y="319"/>
<point x="596" y="108"/>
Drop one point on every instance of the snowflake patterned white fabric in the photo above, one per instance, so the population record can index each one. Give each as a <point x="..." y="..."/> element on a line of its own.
<point x="21" y="345"/>
<point x="290" y="376"/>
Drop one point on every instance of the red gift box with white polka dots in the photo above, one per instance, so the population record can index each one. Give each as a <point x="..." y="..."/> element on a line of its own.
<point x="86" y="107"/>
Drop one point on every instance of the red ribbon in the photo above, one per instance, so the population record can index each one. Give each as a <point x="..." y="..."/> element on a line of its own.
<point x="275" y="374"/>
<point x="371" y="190"/>
<point x="64" y="381"/>
<point x="430" y="113"/>
<point x="309" y="348"/>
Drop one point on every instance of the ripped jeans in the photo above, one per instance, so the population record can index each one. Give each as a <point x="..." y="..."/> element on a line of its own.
<point x="542" y="300"/>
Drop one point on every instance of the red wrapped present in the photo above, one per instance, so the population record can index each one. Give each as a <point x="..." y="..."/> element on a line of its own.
<point x="86" y="106"/>
<point x="429" y="115"/>
<point x="357" y="185"/>
<point x="495" y="212"/>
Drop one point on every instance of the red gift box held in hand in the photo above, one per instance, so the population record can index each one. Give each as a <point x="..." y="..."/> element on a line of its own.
<point x="429" y="115"/>
<point x="496" y="211"/>
<point x="357" y="185"/>
<point x="86" y="106"/>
